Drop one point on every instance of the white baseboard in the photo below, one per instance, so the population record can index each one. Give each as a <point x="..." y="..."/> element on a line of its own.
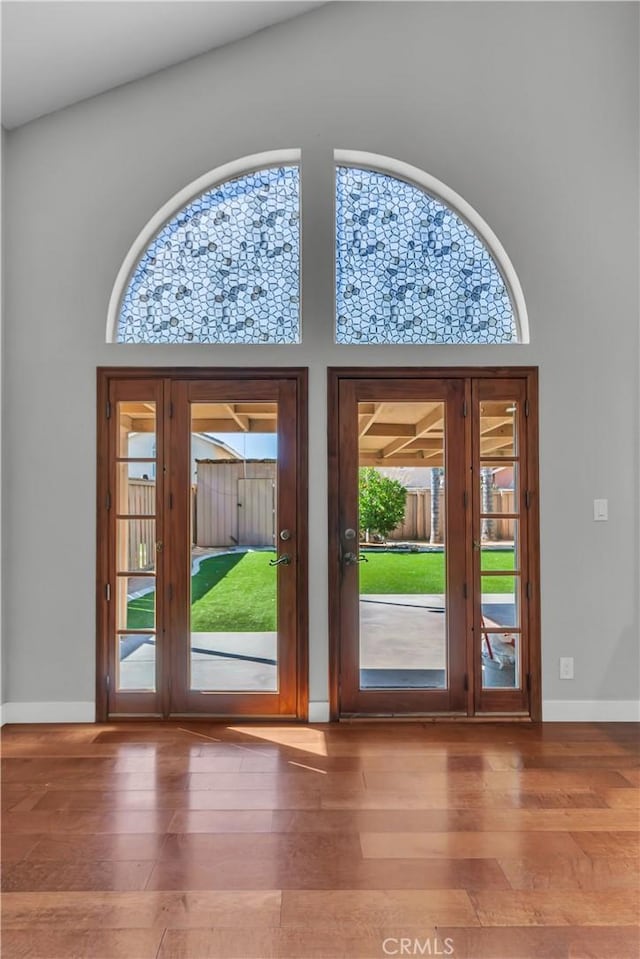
<point x="48" y="713"/>
<point x="553" y="711"/>
<point x="591" y="711"/>
<point x="319" y="712"/>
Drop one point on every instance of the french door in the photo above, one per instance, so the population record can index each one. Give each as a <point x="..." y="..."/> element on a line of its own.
<point x="202" y="549"/>
<point x="433" y="558"/>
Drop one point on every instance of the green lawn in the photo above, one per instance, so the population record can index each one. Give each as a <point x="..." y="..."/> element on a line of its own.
<point x="424" y="572"/>
<point x="236" y="592"/>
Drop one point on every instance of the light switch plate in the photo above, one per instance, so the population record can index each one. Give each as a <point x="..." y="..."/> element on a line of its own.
<point x="600" y="510"/>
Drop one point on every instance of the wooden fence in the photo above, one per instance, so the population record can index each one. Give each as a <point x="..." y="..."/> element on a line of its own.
<point x="235" y="503"/>
<point x="142" y="535"/>
<point x="230" y="508"/>
<point x="416" y="524"/>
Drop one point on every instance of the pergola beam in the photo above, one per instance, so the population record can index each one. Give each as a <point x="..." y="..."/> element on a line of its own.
<point x="228" y="426"/>
<point x="434" y="459"/>
<point x="391" y="429"/>
<point x="242" y="421"/>
<point x="370" y="418"/>
<point x="422" y="426"/>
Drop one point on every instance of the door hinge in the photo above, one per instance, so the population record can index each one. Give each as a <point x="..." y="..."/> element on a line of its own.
<point x="107" y="682"/>
<point x="107" y="592"/>
<point x="527" y="499"/>
<point x="171" y="409"/>
<point x="528" y="682"/>
<point x="465" y="499"/>
<point x="528" y="591"/>
<point x="526" y="407"/>
<point x="466" y="683"/>
<point x="108" y="501"/>
<point x="465" y="591"/>
<point x="464" y="408"/>
<point x="107" y="410"/>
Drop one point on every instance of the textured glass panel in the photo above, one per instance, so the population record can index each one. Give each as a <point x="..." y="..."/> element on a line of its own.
<point x="409" y="270"/>
<point x="226" y="269"/>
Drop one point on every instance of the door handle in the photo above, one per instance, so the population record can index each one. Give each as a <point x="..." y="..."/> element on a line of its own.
<point x="352" y="559"/>
<point x="284" y="560"/>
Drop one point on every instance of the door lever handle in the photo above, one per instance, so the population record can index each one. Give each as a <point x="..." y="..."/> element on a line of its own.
<point x="284" y="560"/>
<point x="352" y="559"/>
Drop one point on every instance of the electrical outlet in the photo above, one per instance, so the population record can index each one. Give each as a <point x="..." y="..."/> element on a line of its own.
<point x="566" y="667"/>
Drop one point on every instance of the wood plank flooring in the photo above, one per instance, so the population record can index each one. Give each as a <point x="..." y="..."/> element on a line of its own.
<point x="358" y="841"/>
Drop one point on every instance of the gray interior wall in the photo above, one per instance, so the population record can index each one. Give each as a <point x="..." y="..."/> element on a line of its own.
<point x="3" y="143"/>
<point x="528" y="110"/>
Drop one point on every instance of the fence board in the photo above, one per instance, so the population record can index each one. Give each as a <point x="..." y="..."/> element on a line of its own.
<point x="141" y="547"/>
<point x="217" y="497"/>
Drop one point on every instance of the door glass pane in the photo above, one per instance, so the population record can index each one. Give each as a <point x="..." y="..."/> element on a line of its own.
<point x="135" y="545"/>
<point x="499" y="488"/>
<point x="500" y="601"/>
<point x="137" y="430"/>
<point x="400" y="547"/>
<point x="500" y="545"/>
<point x="136" y="602"/>
<point x="136" y="662"/>
<point x="234" y="589"/>
<point x="136" y="488"/>
<point x="501" y="660"/>
<point x="498" y="428"/>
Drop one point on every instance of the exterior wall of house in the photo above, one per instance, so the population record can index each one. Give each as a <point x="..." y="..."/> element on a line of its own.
<point x="143" y="445"/>
<point x="528" y="110"/>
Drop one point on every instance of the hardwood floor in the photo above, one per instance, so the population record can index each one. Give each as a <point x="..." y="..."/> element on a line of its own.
<point x="195" y="841"/>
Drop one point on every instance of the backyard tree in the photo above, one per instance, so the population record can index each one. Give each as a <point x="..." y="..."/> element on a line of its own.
<point x="382" y="502"/>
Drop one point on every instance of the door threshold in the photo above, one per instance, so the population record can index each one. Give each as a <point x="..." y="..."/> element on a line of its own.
<point x="230" y="718"/>
<point x="397" y="717"/>
<point x="437" y="717"/>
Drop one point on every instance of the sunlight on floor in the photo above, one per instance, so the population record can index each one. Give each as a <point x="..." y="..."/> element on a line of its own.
<point x="308" y="740"/>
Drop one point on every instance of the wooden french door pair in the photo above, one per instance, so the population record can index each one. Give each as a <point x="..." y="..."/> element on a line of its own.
<point x="433" y="555"/>
<point x="201" y="543"/>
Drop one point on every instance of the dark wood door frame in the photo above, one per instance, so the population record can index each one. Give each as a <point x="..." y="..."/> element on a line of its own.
<point x="529" y="376"/>
<point x="106" y="378"/>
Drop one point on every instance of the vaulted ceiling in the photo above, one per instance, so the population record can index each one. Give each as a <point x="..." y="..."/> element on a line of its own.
<point x="57" y="53"/>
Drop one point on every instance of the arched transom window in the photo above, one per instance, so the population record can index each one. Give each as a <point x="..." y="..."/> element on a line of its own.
<point x="224" y="269"/>
<point x="411" y="268"/>
<point x="220" y="262"/>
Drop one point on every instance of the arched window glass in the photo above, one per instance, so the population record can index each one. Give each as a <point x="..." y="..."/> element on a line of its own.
<point x="224" y="269"/>
<point x="410" y="269"/>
